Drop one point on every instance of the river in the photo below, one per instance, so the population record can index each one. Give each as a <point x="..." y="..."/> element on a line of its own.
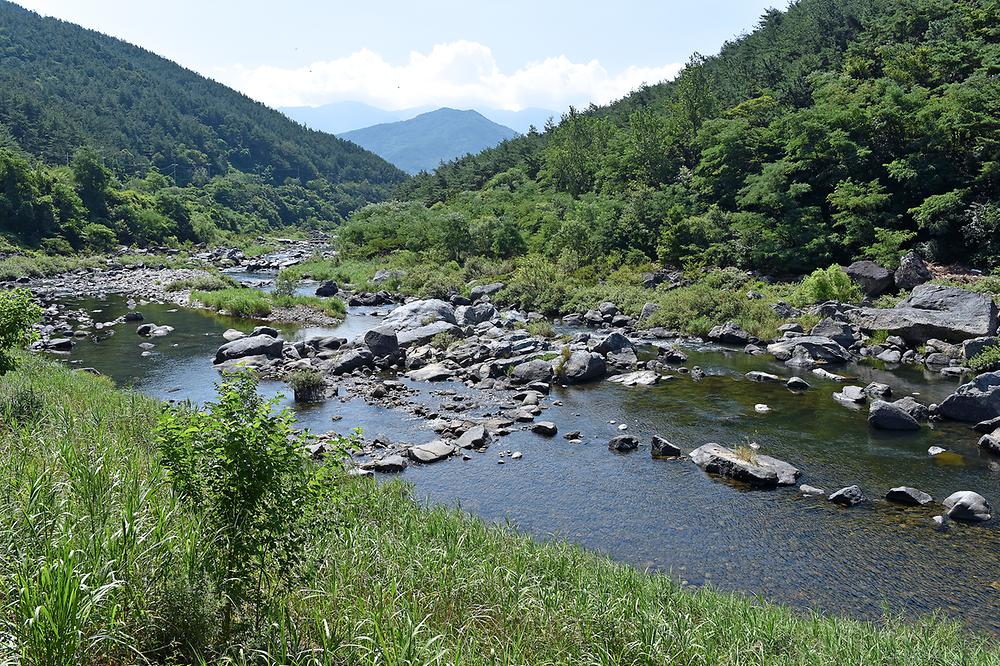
<point x="668" y="515"/>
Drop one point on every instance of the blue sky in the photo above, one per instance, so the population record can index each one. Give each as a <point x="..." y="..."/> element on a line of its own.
<point x="424" y="52"/>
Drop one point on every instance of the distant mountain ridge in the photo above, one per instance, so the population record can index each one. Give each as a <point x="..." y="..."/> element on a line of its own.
<point x="422" y="143"/>
<point x="340" y="117"/>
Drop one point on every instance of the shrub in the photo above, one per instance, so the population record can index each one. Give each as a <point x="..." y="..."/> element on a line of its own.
<point x="206" y="282"/>
<point x="241" y="467"/>
<point x="308" y="385"/>
<point x="541" y="328"/>
<point x="831" y="284"/>
<point x="889" y="247"/>
<point x="285" y="284"/>
<point x="443" y="340"/>
<point x="237" y="301"/>
<point x="987" y="360"/>
<point x="18" y="313"/>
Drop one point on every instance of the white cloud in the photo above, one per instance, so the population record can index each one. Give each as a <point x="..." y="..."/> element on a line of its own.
<point x="461" y="73"/>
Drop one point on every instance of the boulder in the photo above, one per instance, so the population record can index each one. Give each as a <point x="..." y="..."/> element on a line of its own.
<point x="849" y="496"/>
<point x="729" y="334"/>
<point x="913" y="408"/>
<point x="231" y="335"/>
<point x="912" y="272"/>
<point x="415" y="337"/>
<point x="471" y="315"/>
<point x="979" y="400"/>
<point x="615" y="342"/>
<point x="265" y="330"/>
<point x="546" y="428"/>
<point x="878" y="390"/>
<point x="815" y="349"/>
<point x="852" y="395"/>
<point x="60" y="344"/>
<point x="873" y="279"/>
<point x="623" y="444"/>
<point x="255" y="345"/>
<point x="639" y="378"/>
<point x="934" y="311"/>
<point x="976" y="346"/>
<point x="485" y="291"/>
<point x="435" y="372"/>
<point x="988" y="426"/>
<point x="475" y="437"/>
<point x="327" y="289"/>
<point x="418" y="314"/>
<point x="389" y="465"/>
<point x="908" y="496"/>
<point x="757" y="470"/>
<point x="758" y="376"/>
<point x="531" y="371"/>
<point x="382" y="342"/>
<point x="132" y="316"/>
<point x="887" y="416"/>
<point x="582" y="367"/>
<point x="968" y="506"/>
<point x="431" y="452"/>
<point x="351" y="360"/>
<point x="991" y="442"/>
<point x="661" y="448"/>
<point x="648" y="310"/>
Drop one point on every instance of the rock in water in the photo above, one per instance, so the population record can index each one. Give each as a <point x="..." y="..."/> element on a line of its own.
<point x="431" y="452"/>
<point x="809" y="349"/>
<point x="908" y="496"/>
<point x="758" y="376"/>
<point x="231" y="335"/>
<point x="968" y="506"/>
<point x="639" y="378"/>
<point x="991" y="442"/>
<point x="797" y="384"/>
<point x="435" y="372"/>
<point x="382" y="342"/>
<point x="758" y="470"/>
<point x="887" y="416"/>
<point x="979" y="400"/>
<point x="623" y="444"/>
<point x="256" y="345"/>
<point x="475" y="437"/>
<point x="729" y="334"/>
<point x="546" y="428"/>
<point x="849" y="496"/>
<point x="661" y="448"/>
<point x="582" y="367"/>
<point x="934" y="311"/>
<point x="531" y="371"/>
<point x="390" y="464"/>
<point x="327" y="289"/>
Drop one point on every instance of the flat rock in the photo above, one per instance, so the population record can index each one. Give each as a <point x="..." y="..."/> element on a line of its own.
<point x="256" y="345"/>
<point x="811" y="348"/>
<point x="934" y="311"/>
<point x="435" y="372"/>
<point x="758" y="376"/>
<point x="431" y="452"/>
<point x="759" y="471"/>
<point x="623" y="444"/>
<point x="231" y="335"/>
<point x="475" y="437"/>
<point x="908" y="496"/>
<point x="389" y="464"/>
<point x="639" y="378"/>
<point x="546" y="428"/>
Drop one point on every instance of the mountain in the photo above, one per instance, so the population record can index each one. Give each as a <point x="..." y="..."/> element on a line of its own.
<point x="340" y="117"/>
<point x="424" y="142"/>
<point x="62" y="86"/>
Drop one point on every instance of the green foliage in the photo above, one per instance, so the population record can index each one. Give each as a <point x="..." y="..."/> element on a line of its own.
<point x="443" y="340"/>
<point x="986" y="360"/>
<point x="18" y="314"/>
<point x="237" y="301"/>
<point x="889" y="247"/>
<point x="830" y="284"/>
<point x="205" y="282"/>
<point x="307" y="385"/>
<point x="285" y="284"/>
<point x="240" y="466"/>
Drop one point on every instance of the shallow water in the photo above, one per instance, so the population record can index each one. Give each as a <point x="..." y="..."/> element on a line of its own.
<point x="668" y="515"/>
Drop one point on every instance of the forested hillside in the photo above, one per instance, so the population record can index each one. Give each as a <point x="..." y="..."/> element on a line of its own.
<point x="836" y="129"/>
<point x="178" y="155"/>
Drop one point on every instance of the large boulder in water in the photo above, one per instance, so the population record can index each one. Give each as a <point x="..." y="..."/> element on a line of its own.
<point x="888" y="416"/>
<point x="979" y="400"/>
<point x="531" y="371"/>
<point x="934" y="311"/>
<point x="969" y="506"/>
<point x="615" y="342"/>
<point x="582" y="367"/>
<point x="809" y="348"/>
<point x="256" y="345"/>
<point x="729" y="334"/>
<point x="421" y="335"/>
<point x="419" y="314"/>
<point x="840" y="332"/>
<point x="873" y="279"/>
<point x="912" y="272"/>
<point x="757" y="470"/>
<point x="382" y="342"/>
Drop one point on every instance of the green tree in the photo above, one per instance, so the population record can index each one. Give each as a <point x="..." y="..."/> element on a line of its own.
<point x="18" y="314"/>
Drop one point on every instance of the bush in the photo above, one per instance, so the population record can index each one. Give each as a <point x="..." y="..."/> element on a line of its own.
<point x="987" y="360"/>
<point x="18" y="313"/>
<point x="831" y="284"/>
<point x="237" y="301"/>
<point x="207" y="282"/>
<point x="308" y="385"/>
<point x="285" y="284"/>
<point x="241" y="467"/>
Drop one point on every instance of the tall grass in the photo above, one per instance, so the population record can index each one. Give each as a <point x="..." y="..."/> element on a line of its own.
<point x="256" y="304"/>
<point x="101" y="565"/>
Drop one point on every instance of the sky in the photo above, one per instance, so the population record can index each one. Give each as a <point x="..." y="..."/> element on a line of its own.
<point x="395" y="55"/>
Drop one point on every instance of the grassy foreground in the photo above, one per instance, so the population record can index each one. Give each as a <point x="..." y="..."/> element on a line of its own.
<point x="100" y="564"/>
<point x="253" y="303"/>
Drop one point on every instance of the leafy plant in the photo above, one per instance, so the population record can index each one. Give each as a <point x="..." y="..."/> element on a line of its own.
<point x="18" y="313"/>
<point x="307" y="385"/>
<point x="986" y="360"/>
<point x="285" y="284"/>
<point x="830" y="284"/>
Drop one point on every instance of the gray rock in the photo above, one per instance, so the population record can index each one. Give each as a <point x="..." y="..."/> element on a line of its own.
<point x="485" y="290"/>
<point x="382" y="342"/>
<point x="418" y="314"/>
<point x="475" y="437"/>
<point x="729" y="334"/>
<point x="811" y="491"/>
<point x="639" y="378"/>
<point x="759" y="471"/>
<point x="878" y="390"/>
<point x="231" y="335"/>
<point x="582" y="367"/>
<point x="983" y="427"/>
<point x="435" y="372"/>
<point x="849" y="496"/>
<point x="817" y="349"/>
<point x="431" y="452"/>
<point x="976" y="346"/>
<point x="968" y="506"/>
<point x="60" y="344"/>
<point x="389" y="465"/>
<point x="851" y="394"/>
<point x="887" y="416"/>
<point x="797" y="384"/>
<point x="265" y="330"/>
<point x="909" y="405"/>
<point x="351" y="360"/>
<point x="615" y="342"/>
<point x="661" y="448"/>
<point x="648" y="310"/>
<point x="991" y="442"/>
<point x="873" y="279"/>
<point x="840" y="332"/>
<point x="890" y="356"/>
<point x="256" y="345"/>
<point x="979" y="400"/>
<point x="623" y="444"/>
<point x="908" y="496"/>
<point x="133" y="316"/>
<point x="758" y="376"/>
<point x="934" y="311"/>
<point x="531" y="371"/>
<point x="415" y="337"/>
<point x="546" y="428"/>
<point x="327" y="289"/>
<point x="472" y="315"/>
<point x="912" y="272"/>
